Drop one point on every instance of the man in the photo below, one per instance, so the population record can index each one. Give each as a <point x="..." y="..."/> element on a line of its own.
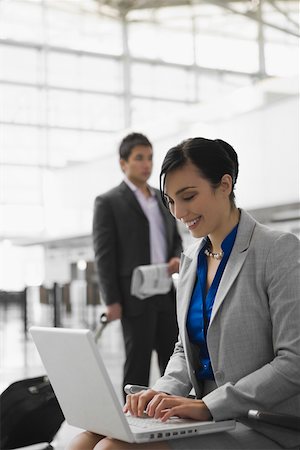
<point x="131" y="227"/>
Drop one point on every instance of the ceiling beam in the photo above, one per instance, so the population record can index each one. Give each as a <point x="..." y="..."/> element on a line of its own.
<point x="284" y="13"/>
<point x="251" y="15"/>
<point x="69" y="51"/>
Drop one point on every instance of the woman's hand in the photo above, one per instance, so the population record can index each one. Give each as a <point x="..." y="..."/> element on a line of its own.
<point x="136" y="403"/>
<point x="164" y="406"/>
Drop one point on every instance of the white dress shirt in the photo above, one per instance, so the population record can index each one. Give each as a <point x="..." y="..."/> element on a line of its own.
<point x="150" y="207"/>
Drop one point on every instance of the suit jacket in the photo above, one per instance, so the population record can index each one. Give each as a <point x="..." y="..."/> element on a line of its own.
<point x="121" y="243"/>
<point x="254" y="334"/>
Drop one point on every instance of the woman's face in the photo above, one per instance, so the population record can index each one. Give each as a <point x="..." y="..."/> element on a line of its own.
<point x="193" y="201"/>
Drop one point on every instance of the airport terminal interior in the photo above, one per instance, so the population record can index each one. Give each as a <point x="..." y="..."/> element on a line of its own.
<point x="76" y="76"/>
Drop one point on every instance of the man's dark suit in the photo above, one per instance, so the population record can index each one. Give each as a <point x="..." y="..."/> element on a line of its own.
<point x="121" y="243"/>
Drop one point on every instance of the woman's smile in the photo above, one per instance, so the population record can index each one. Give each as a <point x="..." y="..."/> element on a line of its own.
<point x="192" y="224"/>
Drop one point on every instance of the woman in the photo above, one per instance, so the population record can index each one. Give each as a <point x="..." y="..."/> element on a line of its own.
<point x="238" y="313"/>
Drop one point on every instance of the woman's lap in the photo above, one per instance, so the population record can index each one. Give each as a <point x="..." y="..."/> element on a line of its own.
<point x="242" y="438"/>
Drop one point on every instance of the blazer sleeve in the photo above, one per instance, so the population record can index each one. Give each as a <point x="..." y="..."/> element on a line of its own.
<point x="277" y="381"/>
<point x="176" y="380"/>
<point x="105" y="248"/>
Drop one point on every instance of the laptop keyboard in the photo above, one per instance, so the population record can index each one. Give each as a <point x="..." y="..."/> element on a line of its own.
<point x="150" y="422"/>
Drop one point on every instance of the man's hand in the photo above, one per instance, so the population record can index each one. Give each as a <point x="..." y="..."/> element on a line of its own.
<point x="113" y="311"/>
<point x="173" y="265"/>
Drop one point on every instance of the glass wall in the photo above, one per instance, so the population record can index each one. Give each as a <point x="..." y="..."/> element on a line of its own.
<point x="74" y="75"/>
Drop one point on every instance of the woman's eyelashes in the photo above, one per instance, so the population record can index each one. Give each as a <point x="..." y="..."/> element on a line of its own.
<point x="188" y="198"/>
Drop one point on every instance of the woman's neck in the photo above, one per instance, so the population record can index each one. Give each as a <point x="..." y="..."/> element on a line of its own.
<point x="229" y="222"/>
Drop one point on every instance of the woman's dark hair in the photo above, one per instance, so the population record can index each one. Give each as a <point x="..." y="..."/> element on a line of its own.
<point x="214" y="158"/>
<point x="130" y="141"/>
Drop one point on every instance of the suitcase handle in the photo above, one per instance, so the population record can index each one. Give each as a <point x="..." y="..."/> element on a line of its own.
<point x="103" y="322"/>
<point x="103" y="318"/>
<point x="36" y="389"/>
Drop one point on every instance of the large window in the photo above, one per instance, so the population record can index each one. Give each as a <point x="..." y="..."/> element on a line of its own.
<point x="70" y="82"/>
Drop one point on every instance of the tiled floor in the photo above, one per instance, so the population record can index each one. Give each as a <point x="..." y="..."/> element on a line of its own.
<point x="19" y="358"/>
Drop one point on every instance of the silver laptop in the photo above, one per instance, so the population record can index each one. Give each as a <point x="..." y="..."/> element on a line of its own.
<point x="87" y="397"/>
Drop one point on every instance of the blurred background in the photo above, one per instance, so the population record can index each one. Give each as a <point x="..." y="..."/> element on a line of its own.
<point x="78" y="75"/>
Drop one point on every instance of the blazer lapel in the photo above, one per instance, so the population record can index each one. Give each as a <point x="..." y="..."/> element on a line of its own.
<point x="236" y="260"/>
<point x="188" y="273"/>
<point x="131" y="200"/>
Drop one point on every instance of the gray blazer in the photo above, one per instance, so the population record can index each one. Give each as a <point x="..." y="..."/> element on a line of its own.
<point x="254" y="332"/>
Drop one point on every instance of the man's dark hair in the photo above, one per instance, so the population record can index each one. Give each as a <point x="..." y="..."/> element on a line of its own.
<point x="130" y="141"/>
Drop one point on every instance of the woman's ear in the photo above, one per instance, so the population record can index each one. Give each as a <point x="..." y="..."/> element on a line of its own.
<point x="226" y="184"/>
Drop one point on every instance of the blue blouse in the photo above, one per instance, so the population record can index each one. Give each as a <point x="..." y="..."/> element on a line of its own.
<point x="201" y="304"/>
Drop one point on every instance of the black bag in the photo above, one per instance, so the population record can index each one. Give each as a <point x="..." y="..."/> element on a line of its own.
<point x="29" y="413"/>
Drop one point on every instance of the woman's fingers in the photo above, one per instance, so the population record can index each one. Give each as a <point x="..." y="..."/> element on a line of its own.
<point x="182" y="407"/>
<point x="167" y="413"/>
<point x="166" y="403"/>
<point x="163" y="406"/>
<point x="143" y="401"/>
<point x="136" y="403"/>
<point x="155" y="402"/>
<point x="182" y="411"/>
<point x="131" y="404"/>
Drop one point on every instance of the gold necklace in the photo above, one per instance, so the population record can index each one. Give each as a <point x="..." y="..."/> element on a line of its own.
<point x="214" y="255"/>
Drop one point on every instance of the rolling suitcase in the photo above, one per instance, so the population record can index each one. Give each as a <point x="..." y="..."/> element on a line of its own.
<point x="29" y="413"/>
<point x="29" y="410"/>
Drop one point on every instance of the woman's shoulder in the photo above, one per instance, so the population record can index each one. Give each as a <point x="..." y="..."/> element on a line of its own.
<point x="265" y="238"/>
